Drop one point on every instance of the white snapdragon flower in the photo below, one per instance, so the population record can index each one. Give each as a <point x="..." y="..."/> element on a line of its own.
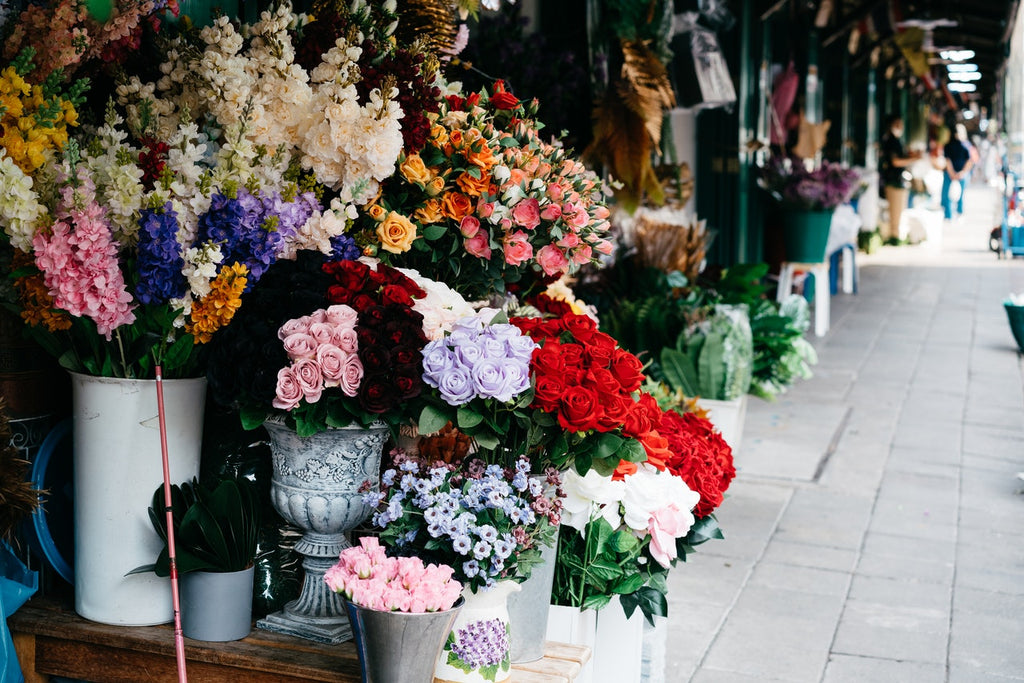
<point x="20" y="209"/>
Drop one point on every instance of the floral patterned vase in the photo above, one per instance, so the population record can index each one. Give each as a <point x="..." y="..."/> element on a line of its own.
<point x="478" y="649"/>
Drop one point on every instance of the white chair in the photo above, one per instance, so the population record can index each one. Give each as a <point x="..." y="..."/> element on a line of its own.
<point x="822" y="298"/>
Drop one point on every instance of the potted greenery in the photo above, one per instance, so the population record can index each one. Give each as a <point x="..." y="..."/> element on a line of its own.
<point x="808" y="197"/>
<point x="215" y="535"/>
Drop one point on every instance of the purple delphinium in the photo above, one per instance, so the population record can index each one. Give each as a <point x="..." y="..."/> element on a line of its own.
<point x="822" y="188"/>
<point x="159" y="257"/>
<point x="482" y="643"/>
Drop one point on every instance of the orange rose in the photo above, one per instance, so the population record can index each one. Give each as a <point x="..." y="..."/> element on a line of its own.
<point x="456" y="139"/>
<point x="376" y="212"/>
<point x="474" y="187"/>
<point x="456" y="206"/>
<point x="481" y="155"/>
<point x="396" y="233"/>
<point x="415" y="171"/>
<point x="429" y="212"/>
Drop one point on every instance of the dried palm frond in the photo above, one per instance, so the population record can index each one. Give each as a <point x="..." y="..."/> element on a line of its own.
<point x="644" y="86"/>
<point x="448" y="445"/>
<point x="432" y="22"/>
<point x="677" y="181"/>
<point x="17" y="497"/>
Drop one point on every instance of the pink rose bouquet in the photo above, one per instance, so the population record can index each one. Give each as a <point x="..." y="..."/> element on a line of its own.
<point x="488" y="201"/>
<point x="369" y="578"/>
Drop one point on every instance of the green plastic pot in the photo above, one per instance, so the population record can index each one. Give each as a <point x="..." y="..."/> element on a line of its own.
<point x="805" y="235"/>
<point x="1016" y="316"/>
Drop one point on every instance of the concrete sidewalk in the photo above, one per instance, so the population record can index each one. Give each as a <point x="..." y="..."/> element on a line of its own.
<point x="875" y="531"/>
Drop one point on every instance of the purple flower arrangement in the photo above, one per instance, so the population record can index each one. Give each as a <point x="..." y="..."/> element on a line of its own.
<point x="823" y="188"/>
<point x="486" y="521"/>
<point x="160" y="261"/>
<point x="479" y="361"/>
<point x="480" y="645"/>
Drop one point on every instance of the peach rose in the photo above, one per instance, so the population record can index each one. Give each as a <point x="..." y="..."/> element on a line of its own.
<point x="429" y="212"/>
<point x="435" y="186"/>
<point x="469" y="226"/>
<point x="552" y="260"/>
<point x="526" y="213"/>
<point x="518" y="249"/>
<point x="478" y="245"/>
<point x="377" y="212"/>
<point x="396" y="233"/>
<point x="438" y="135"/>
<point x="415" y="171"/>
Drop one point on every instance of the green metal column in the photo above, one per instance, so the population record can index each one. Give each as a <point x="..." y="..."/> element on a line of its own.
<point x="846" y="129"/>
<point x="871" y="147"/>
<point x="746" y="170"/>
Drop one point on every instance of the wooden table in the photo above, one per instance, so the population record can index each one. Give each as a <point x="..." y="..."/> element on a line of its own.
<point x="51" y="640"/>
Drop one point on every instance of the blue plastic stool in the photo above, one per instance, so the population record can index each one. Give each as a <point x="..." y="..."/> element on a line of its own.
<point x="848" y="255"/>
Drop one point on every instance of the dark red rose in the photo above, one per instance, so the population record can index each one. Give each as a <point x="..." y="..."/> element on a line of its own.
<point x="548" y="360"/>
<point x="374" y="358"/>
<point x="395" y="295"/>
<point x="368" y="337"/>
<point x="627" y="369"/>
<point x="616" y="409"/>
<point x="556" y="307"/>
<point x="349" y="274"/>
<point x="376" y="278"/>
<point x="548" y="392"/>
<point x="362" y="301"/>
<point x="602" y="340"/>
<point x="377" y="394"/>
<point x="373" y="316"/>
<point x="408" y="382"/>
<point x="501" y="99"/>
<point x="406" y="355"/>
<point x="579" y="409"/>
<point x="599" y="356"/>
<point x="400" y="279"/>
<point x="603" y="382"/>
<point x="337" y="294"/>
<point x="581" y="327"/>
<point x="526" y="325"/>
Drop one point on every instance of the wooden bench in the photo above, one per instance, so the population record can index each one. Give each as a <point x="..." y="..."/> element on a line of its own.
<point x="51" y="640"/>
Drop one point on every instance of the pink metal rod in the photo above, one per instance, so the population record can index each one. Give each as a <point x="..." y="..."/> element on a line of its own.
<point x="179" y="637"/>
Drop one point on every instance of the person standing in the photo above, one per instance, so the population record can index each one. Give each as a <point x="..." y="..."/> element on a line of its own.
<point x="895" y="176"/>
<point x="959" y="162"/>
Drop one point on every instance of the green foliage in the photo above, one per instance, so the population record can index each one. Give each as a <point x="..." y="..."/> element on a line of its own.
<point x="215" y="527"/>
<point x="600" y="563"/>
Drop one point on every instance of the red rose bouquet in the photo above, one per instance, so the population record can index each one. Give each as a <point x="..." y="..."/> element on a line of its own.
<point x="487" y="202"/>
<point x="700" y="457"/>
<point x="590" y="387"/>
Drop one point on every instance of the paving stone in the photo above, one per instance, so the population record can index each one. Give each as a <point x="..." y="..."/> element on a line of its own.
<point x="787" y="576"/>
<point x="880" y="630"/>
<point x="808" y="555"/>
<point x="904" y="591"/>
<point x="828" y="518"/>
<point x="776" y="633"/>
<point x="850" y="669"/>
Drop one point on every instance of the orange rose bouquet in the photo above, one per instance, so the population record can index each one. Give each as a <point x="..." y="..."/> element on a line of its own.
<point x="487" y="202"/>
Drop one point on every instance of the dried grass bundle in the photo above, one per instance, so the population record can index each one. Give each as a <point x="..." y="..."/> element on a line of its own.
<point x="17" y="497"/>
<point x="670" y="240"/>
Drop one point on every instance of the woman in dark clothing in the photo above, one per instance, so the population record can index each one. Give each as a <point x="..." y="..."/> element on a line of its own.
<point x="895" y="177"/>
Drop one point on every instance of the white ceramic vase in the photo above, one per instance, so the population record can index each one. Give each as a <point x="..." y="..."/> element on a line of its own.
<point x="478" y="649"/>
<point x="118" y="466"/>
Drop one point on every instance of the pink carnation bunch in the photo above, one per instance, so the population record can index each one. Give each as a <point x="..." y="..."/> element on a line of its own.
<point x="369" y="578"/>
<point x="322" y="348"/>
<point x="78" y="259"/>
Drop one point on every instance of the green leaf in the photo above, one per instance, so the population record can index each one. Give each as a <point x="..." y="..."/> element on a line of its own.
<point x="178" y="353"/>
<point x="434" y="231"/>
<point x="605" y="570"/>
<point x="467" y="418"/>
<point x="608" y="445"/>
<point x="251" y="417"/>
<point x="628" y="584"/>
<point x="679" y="371"/>
<point x="431" y="419"/>
<point x="487" y="441"/>
<point x="596" y="602"/>
<point x="623" y="541"/>
<point x="632" y="451"/>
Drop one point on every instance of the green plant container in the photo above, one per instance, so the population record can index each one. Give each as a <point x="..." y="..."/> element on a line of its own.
<point x="805" y="235"/>
<point x="1016" y="317"/>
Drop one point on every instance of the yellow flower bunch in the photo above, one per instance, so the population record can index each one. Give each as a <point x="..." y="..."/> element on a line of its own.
<point x="32" y="120"/>
<point x="36" y="302"/>
<point x="216" y="309"/>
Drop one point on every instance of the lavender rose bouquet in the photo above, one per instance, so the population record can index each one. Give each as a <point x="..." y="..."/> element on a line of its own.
<point x="792" y="184"/>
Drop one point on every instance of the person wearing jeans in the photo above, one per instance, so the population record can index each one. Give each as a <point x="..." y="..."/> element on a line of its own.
<point x="958" y="165"/>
